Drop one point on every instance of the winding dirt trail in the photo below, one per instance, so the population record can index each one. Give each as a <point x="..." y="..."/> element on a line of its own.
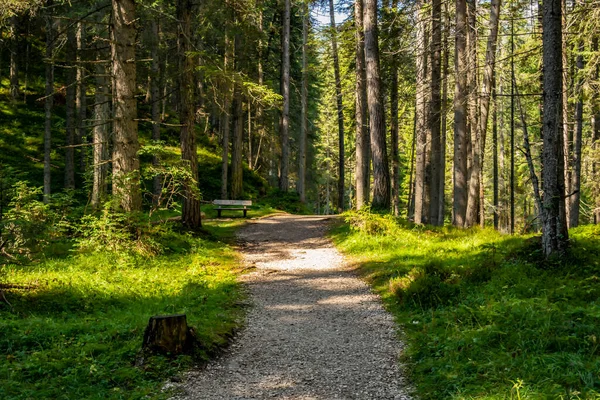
<point x="315" y="331"/>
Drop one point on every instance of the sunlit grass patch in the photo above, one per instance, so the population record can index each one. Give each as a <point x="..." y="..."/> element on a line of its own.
<point x="482" y="315"/>
<point x="77" y="333"/>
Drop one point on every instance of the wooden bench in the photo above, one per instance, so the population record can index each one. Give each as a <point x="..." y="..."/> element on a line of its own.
<point x="242" y="205"/>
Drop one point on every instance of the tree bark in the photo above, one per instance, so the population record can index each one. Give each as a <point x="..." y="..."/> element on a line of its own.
<point x="49" y="102"/>
<point x="81" y="99"/>
<point x="168" y="335"/>
<point x="575" y="191"/>
<point x="190" y="214"/>
<point x="126" y="179"/>
<point x="381" y="171"/>
<point x="435" y="109"/>
<point x="226" y="117"/>
<point x="362" y="132"/>
<point x="101" y="130"/>
<point x="237" y="143"/>
<point x="340" y="109"/>
<point x="422" y="114"/>
<point x="14" y="56"/>
<point x="284" y="126"/>
<point x="596" y="138"/>
<point x="472" y="214"/>
<point x="486" y="93"/>
<point x="460" y="117"/>
<point x="155" y="78"/>
<point x="554" y="233"/>
<point x="70" y="124"/>
<point x="301" y="185"/>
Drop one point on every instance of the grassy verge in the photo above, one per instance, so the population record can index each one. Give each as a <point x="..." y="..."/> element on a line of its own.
<point x="482" y="316"/>
<point x="78" y="333"/>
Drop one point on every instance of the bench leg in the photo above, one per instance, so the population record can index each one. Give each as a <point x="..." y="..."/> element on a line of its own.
<point x="218" y="213"/>
<point x="245" y="212"/>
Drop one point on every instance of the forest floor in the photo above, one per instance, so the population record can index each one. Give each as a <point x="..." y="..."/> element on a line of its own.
<point x="315" y="331"/>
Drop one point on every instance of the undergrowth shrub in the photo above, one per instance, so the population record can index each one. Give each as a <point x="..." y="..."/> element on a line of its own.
<point x="372" y="224"/>
<point x="132" y="233"/>
<point x="30" y="225"/>
<point x="431" y="286"/>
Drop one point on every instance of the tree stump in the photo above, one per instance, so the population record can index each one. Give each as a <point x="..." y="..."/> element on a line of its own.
<point x="168" y="334"/>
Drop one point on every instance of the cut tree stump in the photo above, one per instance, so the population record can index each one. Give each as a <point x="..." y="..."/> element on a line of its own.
<point x="168" y="334"/>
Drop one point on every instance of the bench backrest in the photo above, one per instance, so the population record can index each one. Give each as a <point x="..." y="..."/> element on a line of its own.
<point x="232" y="202"/>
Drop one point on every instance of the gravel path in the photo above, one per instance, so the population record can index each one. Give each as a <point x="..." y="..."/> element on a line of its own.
<point x="315" y="331"/>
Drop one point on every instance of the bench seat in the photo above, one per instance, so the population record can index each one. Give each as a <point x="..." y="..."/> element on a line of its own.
<point x="233" y="205"/>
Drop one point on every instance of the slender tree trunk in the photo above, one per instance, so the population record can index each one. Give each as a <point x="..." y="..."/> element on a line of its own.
<point x="340" y="110"/>
<point x="284" y="127"/>
<point x="226" y="118"/>
<point x="444" y="117"/>
<point x="394" y="139"/>
<point x="435" y="110"/>
<point x="190" y="214"/>
<point x="422" y="115"/>
<point x="126" y="179"/>
<point x="495" y="149"/>
<point x="49" y="101"/>
<point x="476" y="147"/>
<point x="101" y="132"/>
<point x="362" y="131"/>
<point x="566" y="131"/>
<point x="460" y="117"/>
<point x="596" y="138"/>
<point x="554" y="233"/>
<point x="486" y="93"/>
<point x="575" y="194"/>
<point x="14" y="55"/>
<point x="155" y="78"/>
<point x="304" y="104"/>
<point x="236" y="145"/>
<point x="81" y="101"/>
<point x="381" y="171"/>
<point x="238" y="129"/>
<point x="70" y="124"/>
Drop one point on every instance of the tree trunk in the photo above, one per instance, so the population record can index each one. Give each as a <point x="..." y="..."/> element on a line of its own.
<point x="554" y="233"/>
<point x="49" y="101"/>
<point x="14" y="55"/>
<point x="394" y="139"/>
<point x="596" y="139"/>
<point x="101" y="130"/>
<point x="70" y="124"/>
<point x="81" y="100"/>
<point x="460" y="117"/>
<point x="575" y="193"/>
<point x="435" y="109"/>
<point x="126" y="179"/>
<point x="155" y="78"/>
<point x="190" y="214"/>
<point x="444" y="118"/>
<point x="301" y="185"/>
<point x="362" y="132"/>
<point x="476" y="152"/>
<point x="495" y="150"/>
<point x="237" y="143"/>
<point x="284" y="127"/>
<point x="422" y="115"/>
<point x="226" y="118"/>
<point x="486" y="91"/>
<point x="340" y="110"/>
<point x="381" y="171"/>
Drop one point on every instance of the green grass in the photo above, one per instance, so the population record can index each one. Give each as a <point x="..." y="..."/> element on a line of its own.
<point x="78" y="334"/>
<point x="482" y="316"/>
